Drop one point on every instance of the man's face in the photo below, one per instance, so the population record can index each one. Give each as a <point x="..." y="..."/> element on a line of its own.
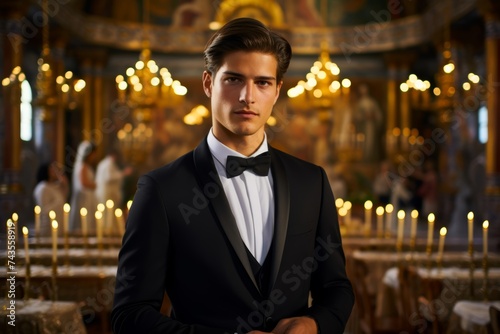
<point x="243" y="93"/>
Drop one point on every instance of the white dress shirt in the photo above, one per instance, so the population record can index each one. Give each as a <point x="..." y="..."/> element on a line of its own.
<point x="250" y="197"/>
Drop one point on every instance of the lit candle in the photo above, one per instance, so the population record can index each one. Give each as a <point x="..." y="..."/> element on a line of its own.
<point x="99" y="223"/>
<point x="368" y="216"/>
<point x="52" y="215"/>
<point x="430" y="231"/>
<point x="37" y="210"/>
<point x="66" y="209"/>
<point x="401" y="222"/>
<point x="348" y="206"/>
<point x="102" y="208"/>
<point x="83" y="215"/>
<point x="109" y="216"/>
<point x="413" y="232"/>
<point x="54" y="242"/>
<point x="15" y="217"/>
<point x="26" y="246"/>
<point x="470" y="219"/>
<point x="485" y="237"/>
<point x="119" y="221"/>
<point x="380" y="221"/>
<point x="442" y="236"/>
<point x="388" y="219"/>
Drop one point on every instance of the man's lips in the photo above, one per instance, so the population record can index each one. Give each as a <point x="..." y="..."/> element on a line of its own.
<point x="245" y="113"/>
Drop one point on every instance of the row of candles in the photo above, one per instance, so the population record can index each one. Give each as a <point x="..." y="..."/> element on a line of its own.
<point x="13" y="221"/>
<point x="344" y="210"/>
<point x="104" y="211"/>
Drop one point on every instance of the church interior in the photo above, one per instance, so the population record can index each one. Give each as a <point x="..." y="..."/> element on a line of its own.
<point x="398" y="101"/>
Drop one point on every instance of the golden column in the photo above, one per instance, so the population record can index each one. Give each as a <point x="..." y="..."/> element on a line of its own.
<point x="490" y="10"/>
<point x="12" y="48"/>
<point x="492" y="19"/>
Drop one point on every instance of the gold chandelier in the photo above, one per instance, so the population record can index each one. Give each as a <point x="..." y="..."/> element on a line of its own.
<point x="144" y="88"/>
<point x="54" y="93"/>
<point x="322" y="89"/>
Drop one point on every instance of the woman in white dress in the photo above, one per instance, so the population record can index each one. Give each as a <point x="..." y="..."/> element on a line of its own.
<point x="83" y="192"/>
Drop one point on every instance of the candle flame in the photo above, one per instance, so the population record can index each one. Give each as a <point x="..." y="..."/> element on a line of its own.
<point x="368" y="205"/>
<point x="380" y="211"/>
<point x="83" y="211"/>
<point x="118" y="212"/>
<point x="38" y="209"/>
<point x="25" y="230"/>
<point x="431" y="218"/>
<point x="98" y="214"/>
<point x="54" y="224"/>
<point x="52" y="214"/>
<point x="347" y="205"/>
<point x="100" y="207"/>
<point x="401" y="214"/>
<point x="110" y="203"/>
<point x="389" y="208"/>
<point x="15" y="217"/>
<point x="414" y="213"/>
<point x="486" y="224"/>
<point x="129" y="204"/>
<point x="470" y="215"/>
<point x="443" y="231"/>
<point x="66" y="207"/>
<point x="342" y="211"/>
<point x="339" y="202"/>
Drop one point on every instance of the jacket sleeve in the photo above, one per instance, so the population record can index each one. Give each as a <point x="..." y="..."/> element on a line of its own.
<point x="142" y="269"/>
<point x="331" y="289"/>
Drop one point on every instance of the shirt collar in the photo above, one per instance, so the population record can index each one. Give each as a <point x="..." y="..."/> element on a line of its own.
<point x="221" y="151"/>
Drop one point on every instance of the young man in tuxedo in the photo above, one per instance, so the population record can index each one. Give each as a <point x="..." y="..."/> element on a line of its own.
<point x="237" y="233"/>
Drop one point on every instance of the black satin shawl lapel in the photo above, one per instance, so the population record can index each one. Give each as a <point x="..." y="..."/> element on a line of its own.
<point x="282" y="210"/>
<point x="207" y="175"/>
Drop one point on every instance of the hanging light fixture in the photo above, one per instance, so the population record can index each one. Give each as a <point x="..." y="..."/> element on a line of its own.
<point x="322" y="87"/>
<point x="445" y="78"/>
<point x="54" y="93"/>
<point x="144" y="88"/>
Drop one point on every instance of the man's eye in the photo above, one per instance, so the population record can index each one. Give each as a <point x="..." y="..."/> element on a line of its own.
<point x="232" y="79"/>
<point x="263" y="83"/>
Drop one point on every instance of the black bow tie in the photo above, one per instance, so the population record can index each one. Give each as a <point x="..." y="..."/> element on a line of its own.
<point x="259" y="165"/>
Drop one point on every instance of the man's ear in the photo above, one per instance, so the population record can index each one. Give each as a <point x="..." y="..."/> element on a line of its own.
<point x="207" y="83"/>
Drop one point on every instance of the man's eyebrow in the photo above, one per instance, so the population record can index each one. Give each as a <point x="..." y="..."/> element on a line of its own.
<point x="259" y="77"/>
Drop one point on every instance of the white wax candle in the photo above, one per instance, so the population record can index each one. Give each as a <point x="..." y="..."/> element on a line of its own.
<point x="380" y="220"/>
<point x="414" y="218"/>
<point x="430" y="229"/>
<point x="368" y="216"/>
<point x="120" y="221"/>
<point x="442" y="236"/>
<point x="470" y="219"/>
<point x="37" y="210"/>
<point x="26" y="245"/>
<point x="348" y="206"/>
<point x="83" y="215"/>
<point x="66" y="209"/>
<point x="109" y="216"/>
<point x="401" y="222"/>
<point x="388" y="218"/>
<point x="99" y="223"/>
<point x="54" y="242"/>
<point x="485" y="237"/>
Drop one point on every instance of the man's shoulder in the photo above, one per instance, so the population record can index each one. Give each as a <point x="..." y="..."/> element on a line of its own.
<point x="172" y="169"/>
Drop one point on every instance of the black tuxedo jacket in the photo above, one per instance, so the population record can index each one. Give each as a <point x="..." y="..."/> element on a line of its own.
<point x="182" y="238"/>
